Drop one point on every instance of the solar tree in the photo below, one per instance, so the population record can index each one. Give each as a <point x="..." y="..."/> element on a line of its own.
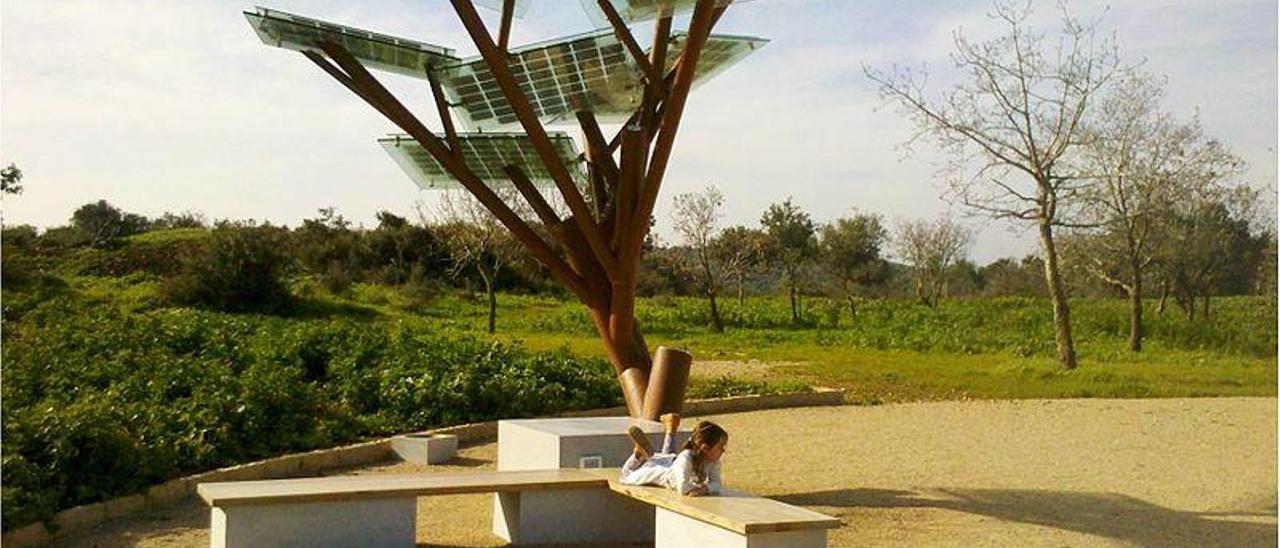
<point x="495" y="109"/>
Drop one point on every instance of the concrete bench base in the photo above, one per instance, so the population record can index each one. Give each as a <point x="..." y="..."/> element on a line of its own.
<point x="674" y="530"/>
<point x="570" y="517"/>
<point x="373" y="523"/>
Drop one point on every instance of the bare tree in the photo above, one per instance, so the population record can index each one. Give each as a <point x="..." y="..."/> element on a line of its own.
<point x="477" y="243"/>
<point x="1009" y="125"/>
<point x="1145" y="163"/>
<point x="850" y="250"/>
<point x="739" y="250"/>
<point x="930" y="249"/>
<point x="697" y="218"/>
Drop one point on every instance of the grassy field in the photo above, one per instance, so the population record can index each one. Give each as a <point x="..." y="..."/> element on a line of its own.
<point x="900" y="351"/>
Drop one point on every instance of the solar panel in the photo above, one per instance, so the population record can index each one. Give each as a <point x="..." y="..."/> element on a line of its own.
<point x="719" y="53"/>
<point x="633" y="11"/>
<point x="590" y="71"/>
<point x="486" y="154"/>
<point x="373" y="50"/>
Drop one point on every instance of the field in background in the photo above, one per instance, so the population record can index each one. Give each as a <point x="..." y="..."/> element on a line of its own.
<point x="109" y="389"/>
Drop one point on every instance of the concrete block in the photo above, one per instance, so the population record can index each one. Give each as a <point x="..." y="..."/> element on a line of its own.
<point x="374" y="523"/>
<point x="675" y="530"/>
<point x="540" y="444"/>
<point x="574" y="516"/>
<point x="425" y="448"/>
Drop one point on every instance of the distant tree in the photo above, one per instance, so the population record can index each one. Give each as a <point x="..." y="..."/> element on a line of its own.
<point x="1010" y="125"/>
<point x="740" y="250"/>
<point x="930" y="249"/>
<point x="186" y="219"/>
<point x="1008" y="277"/>
<point x="11" y="180"/>
<point x="477" y="243"/>
<point x="328" y="249"/>
<point x="791" y="245"/>
<point x="849" y="249"/>
<point x="696" y="219"/>
<point x="104" y="222"/>
<point x="1144" y="163"/>
<point x="1264" y="279"/>
<point x="964" y="278"/>
<point x="1208" y="239"/>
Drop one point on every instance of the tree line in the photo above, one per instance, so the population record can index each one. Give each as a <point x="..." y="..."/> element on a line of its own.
<point x="1055" y="131"/>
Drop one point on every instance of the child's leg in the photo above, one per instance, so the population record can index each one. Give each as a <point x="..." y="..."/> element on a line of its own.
<point x="669" y="442"/>
<point x="671" y="424"/>
<point x="633" y="462"/>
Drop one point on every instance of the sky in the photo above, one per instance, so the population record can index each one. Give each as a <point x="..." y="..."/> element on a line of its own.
<point x="176" y="105"/>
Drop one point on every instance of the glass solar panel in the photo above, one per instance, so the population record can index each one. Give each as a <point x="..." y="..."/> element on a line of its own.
<point x="588" y="71"/>
<point x="486" y="154"/>
<point x="719" y="53"/>
<point x="633" y="11"/>
<point x="591" y="71"/>
<point x="374" y="50"/>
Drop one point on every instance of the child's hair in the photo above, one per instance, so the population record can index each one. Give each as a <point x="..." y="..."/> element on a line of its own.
<point x="705" y="435"/>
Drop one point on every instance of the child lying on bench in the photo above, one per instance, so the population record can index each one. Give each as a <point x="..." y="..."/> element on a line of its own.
<point x="695" y="471"/>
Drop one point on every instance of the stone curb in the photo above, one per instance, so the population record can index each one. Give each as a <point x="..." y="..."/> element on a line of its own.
<point x="312" y="463"/>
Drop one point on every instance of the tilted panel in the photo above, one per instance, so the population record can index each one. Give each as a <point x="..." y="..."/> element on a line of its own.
<point x="374" y="50"/>
<point x="588" y="72"/>
<point x="719" y="53"/>
<point x="486" y="154"/>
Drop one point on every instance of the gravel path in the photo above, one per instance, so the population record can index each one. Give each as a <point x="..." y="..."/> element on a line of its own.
<point x="1187" y="472"/>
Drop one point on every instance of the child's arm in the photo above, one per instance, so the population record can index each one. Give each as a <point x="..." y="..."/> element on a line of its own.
<point x="714" y="479"/>
<point x="683" y="479"/>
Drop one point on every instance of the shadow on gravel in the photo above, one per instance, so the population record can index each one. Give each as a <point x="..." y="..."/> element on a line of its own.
<point x="1111" y="515"/>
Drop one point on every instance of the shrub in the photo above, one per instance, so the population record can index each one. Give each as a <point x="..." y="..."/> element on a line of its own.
<point x="240" y="268"/>
<point x="63" y="237"/>
<point x="100" y="402"/>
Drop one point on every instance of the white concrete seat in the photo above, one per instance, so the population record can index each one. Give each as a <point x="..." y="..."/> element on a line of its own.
<point x="379" y="510"/>
<point x="730" y="519"/>
<point x="375" y="510"/>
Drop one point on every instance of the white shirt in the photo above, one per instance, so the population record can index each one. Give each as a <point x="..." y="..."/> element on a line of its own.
<point x="674" y="472"/>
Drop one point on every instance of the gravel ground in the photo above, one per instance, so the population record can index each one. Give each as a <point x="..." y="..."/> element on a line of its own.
<point x="1177" y="472"/>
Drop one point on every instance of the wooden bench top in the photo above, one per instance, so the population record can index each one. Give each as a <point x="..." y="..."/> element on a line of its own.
<point x="740" y="512"/>
<point x="392" y="486"/>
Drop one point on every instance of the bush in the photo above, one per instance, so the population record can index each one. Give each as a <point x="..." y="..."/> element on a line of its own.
<point x="63" y="237"/>
<point x="100" y="402"/>
<point x="240" y="268"/>
<point x="20" y="236"/>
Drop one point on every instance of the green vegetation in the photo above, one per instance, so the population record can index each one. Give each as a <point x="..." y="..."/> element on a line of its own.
<point x="111" y="385"/>
<point x="101" y="402"/>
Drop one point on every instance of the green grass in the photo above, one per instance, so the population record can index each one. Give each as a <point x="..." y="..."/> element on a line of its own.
<point x="895" y="351"/>
<point x="966" y="349"/>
